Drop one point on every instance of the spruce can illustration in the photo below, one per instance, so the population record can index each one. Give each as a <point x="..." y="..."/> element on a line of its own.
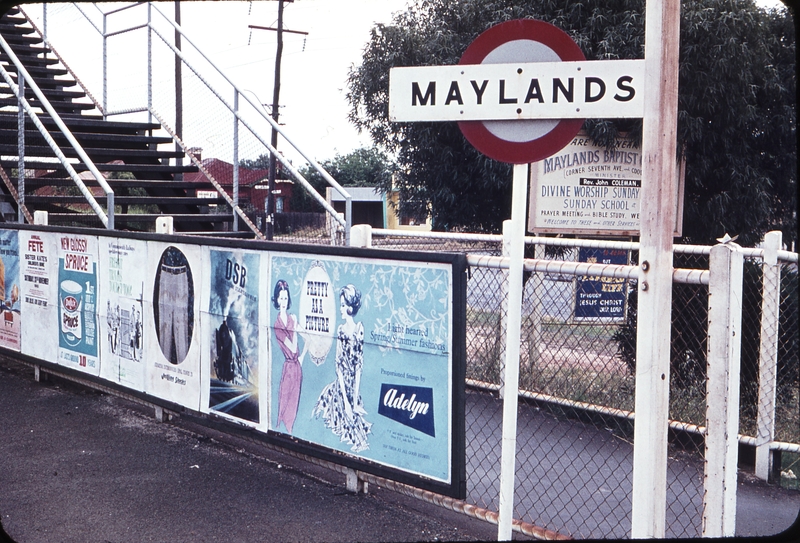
<point x="71" y="296"/>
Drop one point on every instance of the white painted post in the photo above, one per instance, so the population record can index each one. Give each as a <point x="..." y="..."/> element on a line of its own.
<point x="511" y="381"/>
<point x="722" y="390"/>
<point x="353" y="483"/>
<point x="40" y="217"/>
<point x="506" y="253"/>
<point x="768" y="354"/>
<point x="659" y="191"/>
<point x="361" y="235"/>
<point x="164" y="225"/>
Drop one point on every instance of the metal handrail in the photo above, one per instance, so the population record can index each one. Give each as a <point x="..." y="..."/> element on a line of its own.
<point x="330" y="180"/>
<point x="346" y="222"/>
<point x="288" y="165"/>
<point x="106" y="218"/>
<point x="236" y="209"/>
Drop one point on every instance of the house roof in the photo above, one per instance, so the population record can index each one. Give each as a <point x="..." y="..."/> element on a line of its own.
<point x="222" y="172"/>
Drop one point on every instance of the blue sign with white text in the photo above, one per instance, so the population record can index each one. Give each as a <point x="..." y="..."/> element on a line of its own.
<point x="410" y="406"/>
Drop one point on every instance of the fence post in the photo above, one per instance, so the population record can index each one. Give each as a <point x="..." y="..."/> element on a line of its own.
<point x="21" y="147"/>
<point x="40" y="217"/>
<point x="164" y="225"/>
<point x="361" y="235"/>
<point x="503" y="328"/>
<point x="722" y="390"/>
<point x="768" y="353"/>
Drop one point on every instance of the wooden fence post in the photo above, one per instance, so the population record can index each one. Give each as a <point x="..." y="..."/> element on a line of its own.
<point x="722" y="390"/>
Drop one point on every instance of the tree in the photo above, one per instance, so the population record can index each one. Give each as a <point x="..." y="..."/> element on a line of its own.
<point x="364" y="167"/>
<point x="736" y="108"/>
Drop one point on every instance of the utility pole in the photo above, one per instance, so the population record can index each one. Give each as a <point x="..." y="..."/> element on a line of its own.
<point x="178" y="90"/>
<point x="276" y="92"/>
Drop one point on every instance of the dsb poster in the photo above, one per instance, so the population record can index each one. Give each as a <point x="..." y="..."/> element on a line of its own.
<point x="232" y="337"/>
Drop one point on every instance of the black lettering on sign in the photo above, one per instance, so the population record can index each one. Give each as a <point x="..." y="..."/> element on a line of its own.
<point x="430" y="94"/>
<point x="627" y="88"/>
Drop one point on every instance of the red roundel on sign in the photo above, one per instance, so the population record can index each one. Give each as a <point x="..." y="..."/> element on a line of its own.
<point x="515" y="141"/>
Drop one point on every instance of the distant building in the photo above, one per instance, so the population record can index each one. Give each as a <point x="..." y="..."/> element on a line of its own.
<point x="370" y="206"/>
<point x="253" y="185"/>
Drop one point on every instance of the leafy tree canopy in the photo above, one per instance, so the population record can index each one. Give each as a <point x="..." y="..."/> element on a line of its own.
<point x="364" y="167"/>
<point x="736" y="108"/>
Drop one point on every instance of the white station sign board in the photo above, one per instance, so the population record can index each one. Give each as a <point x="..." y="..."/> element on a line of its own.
<point x="517" y="91"/>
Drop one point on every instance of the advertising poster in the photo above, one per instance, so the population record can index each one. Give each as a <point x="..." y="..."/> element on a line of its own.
<point x="361" y="361"/>
<point x="231" y="336"/>
<point x="10" y="306"/>
<point x="121" y="310"/>
<point x="172" y="314"/>
<point x="39" y="296"/>
<point x="601" y="297"/>
<point x="77" y="302"/>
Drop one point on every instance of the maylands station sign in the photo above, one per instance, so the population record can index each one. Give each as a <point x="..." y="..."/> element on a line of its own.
<point x="517" y="91"/>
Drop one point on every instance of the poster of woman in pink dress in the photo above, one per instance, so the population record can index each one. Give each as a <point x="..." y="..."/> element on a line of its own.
<point x="286" y="333"/>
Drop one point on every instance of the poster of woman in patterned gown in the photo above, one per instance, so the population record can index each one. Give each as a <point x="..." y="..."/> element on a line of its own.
<point x="340" y="404"/>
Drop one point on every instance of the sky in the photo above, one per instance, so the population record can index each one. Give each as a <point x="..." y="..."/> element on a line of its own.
<point x="314" y="67"/>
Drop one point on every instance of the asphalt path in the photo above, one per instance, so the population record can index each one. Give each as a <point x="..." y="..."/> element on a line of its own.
<point x="81" y="465"/>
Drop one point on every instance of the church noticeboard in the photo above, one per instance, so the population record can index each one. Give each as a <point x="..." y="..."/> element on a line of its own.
<point x="586" y="189"/>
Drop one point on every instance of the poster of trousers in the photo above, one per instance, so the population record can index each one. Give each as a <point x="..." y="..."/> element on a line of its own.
<point x="77" y="303"/>
<point x="601" y="297"/>
<point x="39" y="296"/>
<point x="172" y="313"/>
<point x="10" y="321"/>
<point x="361" y="358"/>
<point x="121" y="310"/>
<point x="231" y="336"/>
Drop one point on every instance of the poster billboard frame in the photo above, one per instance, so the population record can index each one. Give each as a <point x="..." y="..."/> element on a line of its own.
<point x="453" y="263"/>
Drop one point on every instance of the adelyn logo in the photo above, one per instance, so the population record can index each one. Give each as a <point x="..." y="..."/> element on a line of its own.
<point x="411" y="406"/>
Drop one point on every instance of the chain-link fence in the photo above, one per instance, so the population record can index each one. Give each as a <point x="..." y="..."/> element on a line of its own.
<point x="575" y="418"/>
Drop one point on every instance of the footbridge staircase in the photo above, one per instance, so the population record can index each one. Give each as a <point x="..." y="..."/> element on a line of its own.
<point x="62" y="151"/>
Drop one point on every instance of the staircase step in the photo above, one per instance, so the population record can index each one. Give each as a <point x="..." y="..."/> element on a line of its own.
<point x="89" y="139"/>
<point x="126" y="200"/>
<point x="97" y="154"/>
<point x="83" y="123"/>
<point x="127" y="218"/>
<point x="133" y="168"/>
<point x="43" y="72"/>
<point x="30" y="56"/>
<point x="54" y="93"/>
<point x="20" y="38"/>
<point x="32" y="183"/>
<point x="59" y="106"/>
